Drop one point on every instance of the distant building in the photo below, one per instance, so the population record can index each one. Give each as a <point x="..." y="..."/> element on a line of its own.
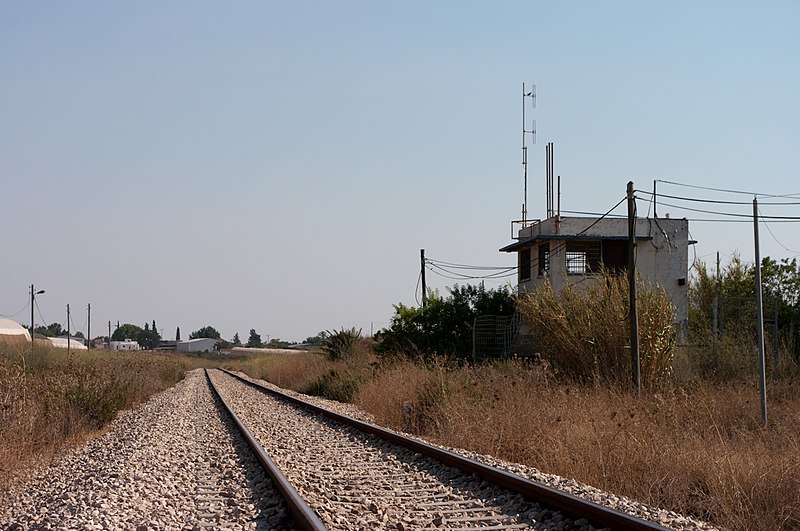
<point x="167" y="344"/>
<point x="74" y="343"/>
<point x="567" y="251"/>
<point x="13" y="332"/>
<point x="128" y="344"/>
<point x="201" y="344"/>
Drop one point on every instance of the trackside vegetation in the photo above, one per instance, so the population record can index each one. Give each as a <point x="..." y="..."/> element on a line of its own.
<point x="693" y="442"/>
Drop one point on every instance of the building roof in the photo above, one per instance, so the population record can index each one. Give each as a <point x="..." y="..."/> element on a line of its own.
<point x="13" y="328"/>
<point x="527" y="242"/>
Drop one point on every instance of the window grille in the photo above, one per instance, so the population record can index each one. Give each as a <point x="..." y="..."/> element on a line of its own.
<point x="583" y="257"/>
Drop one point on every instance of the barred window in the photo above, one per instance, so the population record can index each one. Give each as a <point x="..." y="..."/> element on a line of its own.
<point x="544" y="259"/>
<point x="583" y="257"/>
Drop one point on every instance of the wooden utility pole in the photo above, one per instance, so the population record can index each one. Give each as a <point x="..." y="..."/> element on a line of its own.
<point x="634" y="315"/>
<point x="89" y="326"/>
<point x="760" y="315"/>
<point x="715" y="319"/>
<point x="422" y="275"/>
<point x="69" y="334"/>
<point x="33" y="299"/>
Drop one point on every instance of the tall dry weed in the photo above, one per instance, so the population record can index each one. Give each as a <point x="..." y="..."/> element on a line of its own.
<point x="584" y="331"/>
<point x="49" y="399"/>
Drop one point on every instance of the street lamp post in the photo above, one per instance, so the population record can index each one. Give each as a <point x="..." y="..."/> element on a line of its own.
<point x="34" y="293"/>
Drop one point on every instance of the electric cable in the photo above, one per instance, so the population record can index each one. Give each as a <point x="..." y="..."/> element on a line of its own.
<point x="793" y="196"/>
<point x="720" y="201"/>
<point x="775" y="237"/>
<point x="27" y="305"/>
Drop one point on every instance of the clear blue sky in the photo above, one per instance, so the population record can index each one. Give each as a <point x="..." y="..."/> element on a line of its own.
<point x="278" y="165"/>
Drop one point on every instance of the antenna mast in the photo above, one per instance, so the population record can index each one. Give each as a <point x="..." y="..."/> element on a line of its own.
<point x="532" y="131"/>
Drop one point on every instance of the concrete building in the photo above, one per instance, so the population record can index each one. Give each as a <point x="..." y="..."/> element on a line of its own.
<point x="201" y="344"/>
<point x="570" y="250"/>
<point x="128" y="344"/>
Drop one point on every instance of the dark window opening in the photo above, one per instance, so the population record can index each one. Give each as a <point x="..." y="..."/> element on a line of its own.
<point x="544" y="259"/>
<point x="525" y="264"/>
<point x="615" y="255"/>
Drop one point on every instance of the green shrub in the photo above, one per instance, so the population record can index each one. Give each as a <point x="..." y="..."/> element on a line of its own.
<point x="444" y="327"/>
<point x="342" y="344"/>
<point x="341" y="386"/>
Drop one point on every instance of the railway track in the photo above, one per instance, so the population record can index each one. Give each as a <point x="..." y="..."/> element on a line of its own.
<point x="337" y="472"/>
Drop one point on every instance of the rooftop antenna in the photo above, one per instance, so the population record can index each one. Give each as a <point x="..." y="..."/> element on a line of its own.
<point x="531" y="93"/>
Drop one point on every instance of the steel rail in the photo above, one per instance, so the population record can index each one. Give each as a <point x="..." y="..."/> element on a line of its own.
<point x="304" y="517"/>
<point x="597" y="515"/>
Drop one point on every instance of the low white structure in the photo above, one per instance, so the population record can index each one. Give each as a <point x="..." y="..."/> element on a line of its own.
<point x="201" y="344"/>
<point x="125" y="345"/>
<point x="75" y="343"/>
<point x="11" y="331"/>
<point x="567" y="251"/>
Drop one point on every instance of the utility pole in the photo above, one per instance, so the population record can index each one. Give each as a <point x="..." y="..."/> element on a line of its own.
<point x="34" y="293"/>
<point x="109" y="335"/>
<point x="655" y="214"/>
<point x="634" y="315"/>
<point x="69" y="334"/>
<point x="422" y="275"/>
<point x="32" y="301"/>
<point x="760" y="314"/>
<point x="89" y="326"/>
<point x="715" y="318"/>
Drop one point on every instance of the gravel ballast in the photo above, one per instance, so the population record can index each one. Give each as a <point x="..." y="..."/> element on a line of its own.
<point x="168" y="464"/>
<point x="172" y="463"/>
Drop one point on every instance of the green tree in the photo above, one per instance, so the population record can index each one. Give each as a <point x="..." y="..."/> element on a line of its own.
<point x="149" y="339"/>
<point x="178" y="334"/>
<point x="206" y="331"/>
<point x="736" y="285"/>
<point x="317" y="339"/>
<point x="277" y="343"/>
<point x="236" y="341"/>
<point x="254" y="340"/>
<point x="51" y="330"/>
<point x="444" y="326"/>
<point x="127" y="331"/>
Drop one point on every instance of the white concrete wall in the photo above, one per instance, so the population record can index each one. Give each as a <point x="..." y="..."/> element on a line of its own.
<point x="202" y="344"/>
<point x="664" y="259"/>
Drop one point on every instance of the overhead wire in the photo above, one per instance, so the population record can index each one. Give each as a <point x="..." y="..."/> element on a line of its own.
<point x="27" y="305"/>
<point x="510" y="271"/>
<point x="416" y="290"/>
<point x="775" y="237"/>
<point x="729" y="191"/>
<point x="39" y="311"/>
<point x="720" y="201"/>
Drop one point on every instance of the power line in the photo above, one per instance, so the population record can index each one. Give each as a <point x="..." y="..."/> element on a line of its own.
<point x="39" y="311"/>
<point x="728" y="191"/>
<point x="718" y="201"/>
<point x="507" y="272"/>
<point x="732" y="214"/>
<point x="775" y="237"/>
<point x="416" y="290"/>
<point x="464" y="266"/>
<point x="27" y="305"/>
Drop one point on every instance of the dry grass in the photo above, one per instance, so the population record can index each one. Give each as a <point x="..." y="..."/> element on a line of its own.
<point x="698" y="449"/>
<point x="49" y="400"/>
<point x="584" y="332"/>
